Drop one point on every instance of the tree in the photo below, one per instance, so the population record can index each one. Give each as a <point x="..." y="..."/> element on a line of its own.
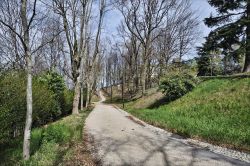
<point x="11" y="46"/>
<point x="71" y="13"/>
<point x="142" y="18"/>
<point x="208" y="61"/>
<point x="178" y="37"/>
<point x="92" y="61"/>
<point x="132" y="58"/>
<point x="232" y="23"/>
<point x="24" y="29"/>
<point x="24" y="36"/>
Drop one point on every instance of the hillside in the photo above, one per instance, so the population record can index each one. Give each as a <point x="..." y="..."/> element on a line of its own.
<point x="217" y="111"/>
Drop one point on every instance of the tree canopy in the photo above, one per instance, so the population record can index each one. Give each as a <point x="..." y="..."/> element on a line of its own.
<point x="232" y="30"/>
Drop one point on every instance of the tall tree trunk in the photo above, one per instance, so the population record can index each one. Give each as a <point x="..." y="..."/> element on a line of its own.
<point x="28" y="123"/>
<point x="81" y="97"/>
<point x="144" y="69"/>
<point x="247" y="56"/>
<point x="143" y="78"/>
<point x="76" y="97"/>
<point x="111" y="92"/>
<point x="87" y="95"/>
<point x="137" y="76"/>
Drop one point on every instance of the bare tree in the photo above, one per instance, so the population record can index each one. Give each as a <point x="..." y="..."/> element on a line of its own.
<point x="142" y="19"/>
<point x="132" y="57"/>
<point x="91" y="61"/>
<point x="179" y="35"/>
<point x="154" y="32"/>
<point x="24" y="37"/>
<point x="10" y="44"/>
<point x="73" y="12"/>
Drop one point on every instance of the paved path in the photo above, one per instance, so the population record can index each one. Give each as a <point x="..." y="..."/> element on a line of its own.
<point x="118" y="139"/>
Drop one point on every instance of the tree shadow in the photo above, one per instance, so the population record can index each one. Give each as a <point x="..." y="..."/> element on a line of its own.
<point x="159" y="103"/>
<point x="136" y="148"/>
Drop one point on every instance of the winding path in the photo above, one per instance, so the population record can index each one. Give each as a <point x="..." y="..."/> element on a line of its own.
<point x="116" y="138"/>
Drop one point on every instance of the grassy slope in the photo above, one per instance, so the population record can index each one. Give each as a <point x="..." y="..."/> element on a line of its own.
<point x="55" y="144"/>
<point x="217" y="111"/>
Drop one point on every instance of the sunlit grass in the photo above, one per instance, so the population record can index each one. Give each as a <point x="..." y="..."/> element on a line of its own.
<point x="217" y="111"/>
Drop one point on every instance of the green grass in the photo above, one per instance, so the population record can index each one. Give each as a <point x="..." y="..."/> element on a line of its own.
<point x="51" y="145"/>
<point x="217" y="111"/>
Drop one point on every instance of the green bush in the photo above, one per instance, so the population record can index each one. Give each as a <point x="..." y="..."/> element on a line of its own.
<point x="57" y="133"/>
<point x="46" y="106"/>
<point x="56" y="84"/>
<point x="175" y="86"/>
<point x="67" y="102"/>
<point x="54" y="81"/>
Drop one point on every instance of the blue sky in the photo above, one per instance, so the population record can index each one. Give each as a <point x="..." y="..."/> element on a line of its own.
<point x="202" y="8"/>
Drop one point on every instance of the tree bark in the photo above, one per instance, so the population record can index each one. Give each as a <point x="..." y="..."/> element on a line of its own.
<point x="111" y="92"/>
<point x="28" y="123"/>
<point x="247" y="56"/>
<point x="81" y="98"/>
<point x="143" y="79"/>
<point x="76" y="97"/>
<point x="144" y="69"/>
<point x="87" y="95"/>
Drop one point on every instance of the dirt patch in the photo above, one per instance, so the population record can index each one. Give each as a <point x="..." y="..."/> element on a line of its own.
<point x="81" y="155"/>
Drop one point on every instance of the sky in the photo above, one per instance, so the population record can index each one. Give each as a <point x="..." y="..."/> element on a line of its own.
<point x="202" y="8"/>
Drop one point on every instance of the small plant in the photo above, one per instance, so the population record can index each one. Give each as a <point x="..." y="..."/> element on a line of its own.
<point x="175" y="86"/>
<point x="57" y="133"/>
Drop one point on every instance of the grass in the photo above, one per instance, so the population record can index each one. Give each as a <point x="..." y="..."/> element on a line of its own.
<point x="217" y="111"/>
<point x="54" y="144"/>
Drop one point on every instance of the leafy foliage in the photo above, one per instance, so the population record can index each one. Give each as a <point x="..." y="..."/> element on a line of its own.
<point x="56" y="84"/>
<point x="214" y="61"/>
<point x="175" y="86"/>
<point x="231" y="23"/>
<point x="54" y="81"/>
<point x="57" y="133"/>
<point x="51" y="145"/>
<point x="47" y="107"/>
<point x="209" y="62"/>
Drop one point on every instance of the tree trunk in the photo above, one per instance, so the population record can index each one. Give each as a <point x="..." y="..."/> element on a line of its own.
<point x="143" y="78"/>
<point x="136" y="75"/>
<point x="87" y="95"/>
<point x="81" y="97"/>
<point x="144" y="71"/>
<point x="111" y="92"/>
<point x="76" y="97"/>
<point x="247" y="56"/>
<point x="123" y="81"/>
<point x="28" y="123"/>
<point x="90" y="95"/>
<point x="247" y="61"/>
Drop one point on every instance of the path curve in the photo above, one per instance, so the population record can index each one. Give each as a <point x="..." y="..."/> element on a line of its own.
<point x="116" y="138"/>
